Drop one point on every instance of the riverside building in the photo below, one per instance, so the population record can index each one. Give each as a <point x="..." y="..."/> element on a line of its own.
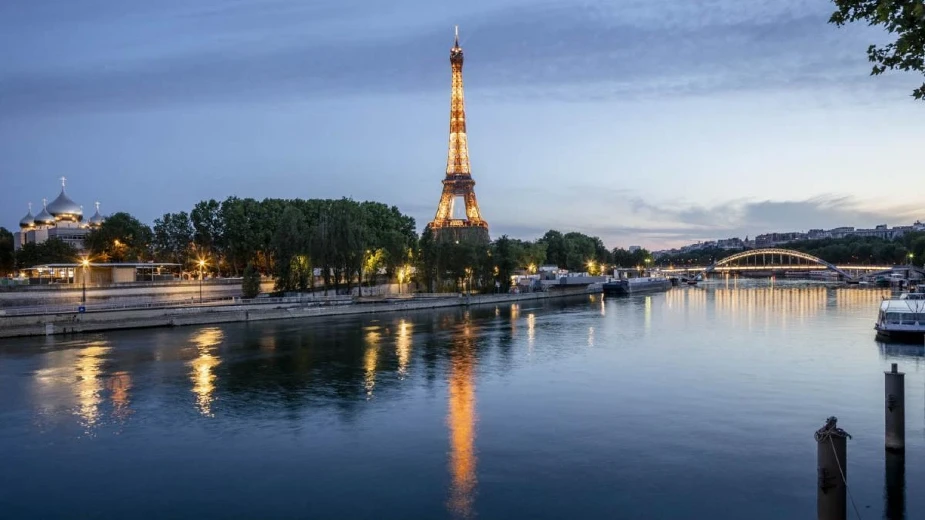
<point x="62" y="218"/>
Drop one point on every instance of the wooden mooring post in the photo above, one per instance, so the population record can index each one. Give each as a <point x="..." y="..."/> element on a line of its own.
<point x="831" y="471"/>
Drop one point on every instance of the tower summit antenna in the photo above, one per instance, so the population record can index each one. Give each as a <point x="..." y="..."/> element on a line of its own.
<point x="457" y="36"/>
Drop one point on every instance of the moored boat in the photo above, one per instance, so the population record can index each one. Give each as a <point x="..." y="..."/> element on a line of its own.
<point x="636" y="285"/>
<point x="902" y="319"/>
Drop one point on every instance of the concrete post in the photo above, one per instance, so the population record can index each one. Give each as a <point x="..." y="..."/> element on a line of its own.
<point x="894" y="492"/>
<point x="895" y="409"/>
<point x="831" y="471"/>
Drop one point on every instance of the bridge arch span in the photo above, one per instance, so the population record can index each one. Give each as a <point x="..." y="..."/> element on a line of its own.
<point x="775" y="251"/>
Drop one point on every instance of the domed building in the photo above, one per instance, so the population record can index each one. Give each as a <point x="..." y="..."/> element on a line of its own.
<point x="62" y="218"/>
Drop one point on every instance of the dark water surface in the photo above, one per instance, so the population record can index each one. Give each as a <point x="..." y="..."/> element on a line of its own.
<point x="697" y="403"/>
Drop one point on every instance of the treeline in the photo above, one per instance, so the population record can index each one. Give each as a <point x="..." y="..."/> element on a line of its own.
<point x="866" y="250"/>
<point x="286" y="238"/>
<point x="446" y="265"/>
<point x="347" y="242"/>
<point x="848" y="250"/>
<point x="7" y="258"/>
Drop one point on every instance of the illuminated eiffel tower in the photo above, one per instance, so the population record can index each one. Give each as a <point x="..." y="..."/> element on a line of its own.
<point x="458" y="186"/>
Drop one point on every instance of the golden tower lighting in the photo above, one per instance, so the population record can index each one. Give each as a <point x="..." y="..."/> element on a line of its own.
<point x="458" y="181"/>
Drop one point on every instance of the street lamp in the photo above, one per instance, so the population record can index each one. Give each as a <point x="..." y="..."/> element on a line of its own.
<point x="85" y="263"/>
<point x="202" y="263"/>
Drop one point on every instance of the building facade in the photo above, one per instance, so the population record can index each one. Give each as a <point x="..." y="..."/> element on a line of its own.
<point x="62" y="219"/>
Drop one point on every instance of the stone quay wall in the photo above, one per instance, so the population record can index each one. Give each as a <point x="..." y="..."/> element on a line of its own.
<point x="94" y="321"/>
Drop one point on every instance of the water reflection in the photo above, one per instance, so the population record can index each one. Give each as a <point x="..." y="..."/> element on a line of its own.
<point x="773" y="304"/>
<point x="403" y="347"/>
<point x="202" y="367"/>
<point x="370" y="359"/>
<point x="461" y="420"/>
<point x="531" y="330"/>
<point x="88" y="371"/>
<point x="119" y="386"/>
<point x="894" y="487"/>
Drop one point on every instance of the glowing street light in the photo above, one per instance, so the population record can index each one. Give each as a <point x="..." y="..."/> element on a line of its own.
<point x="202" y="264"/>
<point x="85" y="263"/>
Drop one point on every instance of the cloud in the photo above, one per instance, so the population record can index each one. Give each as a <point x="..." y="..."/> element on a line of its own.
<point x="559" y="49"/>
<point x="669" y="224"/>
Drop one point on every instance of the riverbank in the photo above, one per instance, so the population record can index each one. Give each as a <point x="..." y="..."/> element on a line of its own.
<point x="96" y="321"/>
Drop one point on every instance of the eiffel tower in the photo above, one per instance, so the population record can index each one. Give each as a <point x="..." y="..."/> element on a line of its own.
<point x="458" y="183"/>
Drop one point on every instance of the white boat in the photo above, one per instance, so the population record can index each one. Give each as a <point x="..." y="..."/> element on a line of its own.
<point x="902" y="319"/>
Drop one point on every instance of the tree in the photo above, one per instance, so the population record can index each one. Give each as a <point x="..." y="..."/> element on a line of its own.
<point x="173" y="237"/>
<point x="208" y="230"/>
<point x="293" y="270"/>
<point x="250" y="284"/>
<point x="903" y="18"/>
<point x="121" y="238"/>
<point x="7" y="259"/>
<point x="508" y="256"/>
<point x="51" y="251"/>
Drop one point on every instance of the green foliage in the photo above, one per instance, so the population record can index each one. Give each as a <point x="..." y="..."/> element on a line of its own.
<point x="51" y="251"/>
<point x="173" y="237"/>
<point x="208" y="229"/>
<point x="627" y="259"/>
<point x="848" y="250"/>
<point x="705" y="256"/>
<point x="903" y="18"/>
<point x="7" y="258"/>
<point x="250" y="284"/>
<point x="574" y="251"/>
<point x="857" y="250"/>
<point x="290" y="247"/>
<point x="121" y="238"/>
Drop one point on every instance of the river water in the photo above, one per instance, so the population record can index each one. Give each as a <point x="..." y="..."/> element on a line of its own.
<point x="696" y="403"/>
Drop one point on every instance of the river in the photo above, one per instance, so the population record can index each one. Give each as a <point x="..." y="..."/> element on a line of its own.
<point x="696" y="403"/>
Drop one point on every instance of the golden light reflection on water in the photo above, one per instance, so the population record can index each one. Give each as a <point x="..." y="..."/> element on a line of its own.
<point x="119" y="386"/>
<point x="531" y="330"/>
<point x="403" y="347"/>
<point x="89" y="385"/>
<point x="201" y="372"/>
<point x="461" y="420"/>
<point x="773" y="303"/>
<point x="648" y="312"/>
<point x="371" y="359"/>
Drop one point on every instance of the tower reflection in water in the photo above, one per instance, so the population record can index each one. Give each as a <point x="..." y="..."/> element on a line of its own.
<point x="201" y="368"/>
<point x="461" y="420"/>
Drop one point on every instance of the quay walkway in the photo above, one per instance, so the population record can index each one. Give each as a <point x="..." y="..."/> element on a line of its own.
<point x="41" y="322"/>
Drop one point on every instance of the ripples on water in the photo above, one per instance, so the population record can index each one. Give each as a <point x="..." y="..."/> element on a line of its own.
<point x="696" y="403"/>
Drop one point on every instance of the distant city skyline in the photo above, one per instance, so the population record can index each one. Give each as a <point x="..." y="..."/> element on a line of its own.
<point x="646" y="122"/>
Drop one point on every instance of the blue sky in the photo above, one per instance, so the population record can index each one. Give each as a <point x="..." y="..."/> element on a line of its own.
<point x="652" y="122"/>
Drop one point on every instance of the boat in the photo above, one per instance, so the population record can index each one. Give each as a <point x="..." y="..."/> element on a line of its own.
<point x="902" y="319"/>
<point x="628" y="286"/>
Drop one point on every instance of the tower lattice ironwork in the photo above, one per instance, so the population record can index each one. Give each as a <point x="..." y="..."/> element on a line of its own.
<point x="458" y="181"/>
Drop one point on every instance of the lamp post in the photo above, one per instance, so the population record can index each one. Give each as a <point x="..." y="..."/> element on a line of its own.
<point x="85" y="263"/>
<point x="202" y="263"/>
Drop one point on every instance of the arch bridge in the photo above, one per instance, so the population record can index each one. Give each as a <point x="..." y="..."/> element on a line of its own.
<point x="773" y="258"/>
